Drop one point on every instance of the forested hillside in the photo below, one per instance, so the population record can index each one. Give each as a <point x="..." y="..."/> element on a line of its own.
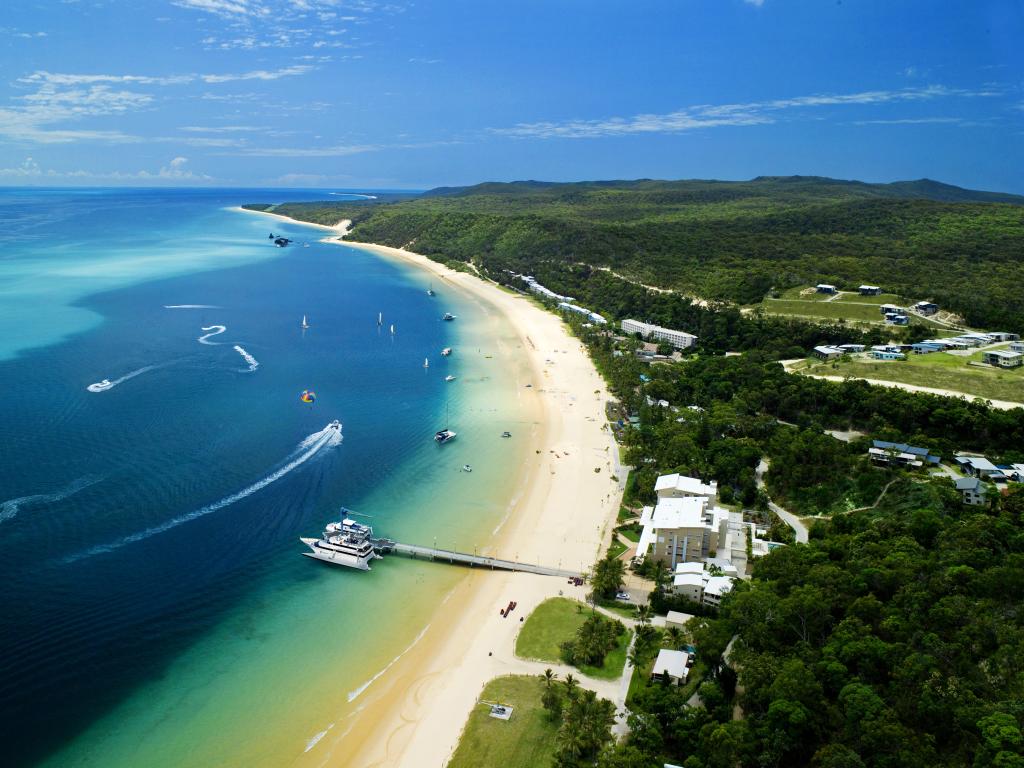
<point x="732" y="241"/>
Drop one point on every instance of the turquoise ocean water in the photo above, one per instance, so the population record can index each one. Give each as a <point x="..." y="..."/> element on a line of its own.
<point x="156" y="610"/>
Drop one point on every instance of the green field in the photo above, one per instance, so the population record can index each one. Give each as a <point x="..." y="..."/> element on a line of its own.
<point x="832" y="310"/>
<point x="552" y="623"/>
<point x="882" y="298"/>
<point x="938" y="369"/>
<point x="527" y="739"/>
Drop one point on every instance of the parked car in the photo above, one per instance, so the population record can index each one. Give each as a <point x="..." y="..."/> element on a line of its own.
<point x="622" y="596"/>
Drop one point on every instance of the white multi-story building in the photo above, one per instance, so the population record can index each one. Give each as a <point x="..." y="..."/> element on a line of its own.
<point x="678" y="339"/>
<point x="695" y="582"/>
<point x="676" y="486"/>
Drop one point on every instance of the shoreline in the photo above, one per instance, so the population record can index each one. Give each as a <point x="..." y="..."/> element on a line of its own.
<point x="415" y="713"/>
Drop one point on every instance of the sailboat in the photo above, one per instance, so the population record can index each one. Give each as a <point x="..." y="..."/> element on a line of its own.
<point x="305" y="324"/>
<point x="445" y="435"/>
<point x="430" y="290"/>
<point x="392" y="329"/>
<point x="426" y="362"/>
<point x="380" y="318"/>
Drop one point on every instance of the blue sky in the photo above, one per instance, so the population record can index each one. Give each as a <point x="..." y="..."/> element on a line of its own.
<point x="359" y="93"/>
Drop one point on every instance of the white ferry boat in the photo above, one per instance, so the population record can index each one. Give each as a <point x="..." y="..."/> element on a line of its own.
<point x="345" y="543"/>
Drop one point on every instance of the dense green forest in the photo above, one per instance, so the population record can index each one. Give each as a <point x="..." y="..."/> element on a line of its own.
<point x="732" y="241"/>
<point x="894" y="639"/>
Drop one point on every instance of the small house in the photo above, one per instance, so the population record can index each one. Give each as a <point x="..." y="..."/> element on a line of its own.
<point x="825" y="352"/>
<point x="926" y="347"/>
<point x="971" y="490"/>
<point x="886" y="309"/>
<point x="825" y="288"/>
<point x="894" y="318"/>
<point x="1004" y="335"/>
<point x="926" y="308"/>
<point x="976" y="466"/>
<point x="1003" y="358"/>
<point x="851" y="347"/>
<point x="879" y="354"/>
<point x="870" y="290"/>
<point x="921" y="453"/>
<point x="671" y="666"/>
<point x="1017" y="346"/>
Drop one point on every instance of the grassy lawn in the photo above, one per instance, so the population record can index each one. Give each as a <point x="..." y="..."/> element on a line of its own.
<point x="938" y="369"/>
<point x="833" y="310"/>
<point x="527" y="739"/>
<point x="805" y="293"/>
<point x="631" y="531"/>
<point x="616" y="548"/>
<point x="882" y="298"/>
<point x="552" y="623"/>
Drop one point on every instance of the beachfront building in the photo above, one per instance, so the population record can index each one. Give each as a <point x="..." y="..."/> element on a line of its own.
<point x="592" y="316"/>
<point x="680" y="530"/>
<point x="677" y="486"/>
<point x="678" y="339"/>
<point x="870" y="290"/>
<point x="539" y="289"/>
<point x="825" y="288"/>
<point x="671" y="666"/>
<point x="1003" y="358"/>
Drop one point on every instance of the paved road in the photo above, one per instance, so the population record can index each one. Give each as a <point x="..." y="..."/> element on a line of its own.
<point x="788" y="518"/>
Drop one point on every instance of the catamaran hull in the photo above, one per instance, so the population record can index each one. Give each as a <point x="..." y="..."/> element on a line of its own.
<point x="336" y="558"/>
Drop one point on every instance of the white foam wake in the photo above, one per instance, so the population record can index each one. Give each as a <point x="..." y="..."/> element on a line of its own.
<point x="11" y="507"/>
<point x="328" y="437"/>
<point x="103" y="386"/>
<point x="354" y="694"/>
<point x="213" y="331"/>
<point x="253" y="363"/>
<point x="191" y="306"/>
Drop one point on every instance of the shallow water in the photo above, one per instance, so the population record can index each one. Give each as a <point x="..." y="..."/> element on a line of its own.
<point x="156" y="608"/>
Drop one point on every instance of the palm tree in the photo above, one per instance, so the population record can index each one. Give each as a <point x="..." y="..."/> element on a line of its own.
<point x="635" y="656"/>
<point x="548" y="677"/>
<point x="675" y="637"/>
<point x="571" y="684"/>
<point x="643" y="614"/>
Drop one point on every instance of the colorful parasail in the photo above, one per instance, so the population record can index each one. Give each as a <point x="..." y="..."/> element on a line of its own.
<point x="308" y="396"/>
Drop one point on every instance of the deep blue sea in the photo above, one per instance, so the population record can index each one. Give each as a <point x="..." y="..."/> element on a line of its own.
<point x="155" y="608"/>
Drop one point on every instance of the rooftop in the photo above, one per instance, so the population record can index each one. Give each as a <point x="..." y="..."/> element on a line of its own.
<point x="684" y="484"/>
<point x="673" y="662"/>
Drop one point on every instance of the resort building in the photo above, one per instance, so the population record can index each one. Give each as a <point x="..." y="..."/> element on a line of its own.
<point x="676" y="486"/>
<point x="1017" y="346"/>
<point x="926" y="347"/>
<point x="671" y="666"/>
<point x="971" y="489"/>
<point x="547" y="293"/>
<point x="886" y="309"/>
<point x="851" y="347"/>
<point x="680" y="530"/>
<point x="592" y="316"/>
<point x="677" y="619"/>
<point x="1003" y="335"/>
<point x="678" y="339"/>
<point x="892" y="318"/>
<point x="926" y="308"/>
<point x="695" y="582"/>
<point x="1003" y="358"/>
<point x="825" y="288"/>
<point x="870" y="290"/>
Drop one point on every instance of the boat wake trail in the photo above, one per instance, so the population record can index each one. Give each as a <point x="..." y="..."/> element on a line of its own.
<point x="214" y="330"/>
<point x="103" y="386"/>
<point x="326" y="438"/>
<point x="11" y="507"/>
<point x="253" y="363"/>
<point x="191" y="306"/>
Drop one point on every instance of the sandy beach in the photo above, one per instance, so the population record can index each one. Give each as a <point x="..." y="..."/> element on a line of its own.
<point x="414" y="713"/>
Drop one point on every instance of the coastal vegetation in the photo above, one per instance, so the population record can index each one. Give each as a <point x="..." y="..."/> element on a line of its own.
<point x="564" y="630"/>
<point x="721" y="241"/>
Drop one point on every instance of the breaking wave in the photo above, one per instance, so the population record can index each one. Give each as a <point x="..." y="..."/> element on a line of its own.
<point x="326" y="438"/>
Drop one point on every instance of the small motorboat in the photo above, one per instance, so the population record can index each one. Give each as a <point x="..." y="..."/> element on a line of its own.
<point x="446" y="351"/>
<point x="100" y="386"/>
<point x="335" y="425"/>
<point x="449" y="377"/>
<point x="466" y="468"/>
<point x="506" y="434"/>
<point x="448" y="316"/>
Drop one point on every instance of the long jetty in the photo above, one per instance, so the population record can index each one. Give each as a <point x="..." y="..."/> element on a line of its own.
<point x="464" y="558"/>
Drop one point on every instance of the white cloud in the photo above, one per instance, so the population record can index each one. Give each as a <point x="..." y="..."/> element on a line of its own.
<point x="259" y="74"/>
<point x="174" y="171"/>
<point x="223" y="8"/>
<point x="912" y="121"/>
<point x="718" y="115"/>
